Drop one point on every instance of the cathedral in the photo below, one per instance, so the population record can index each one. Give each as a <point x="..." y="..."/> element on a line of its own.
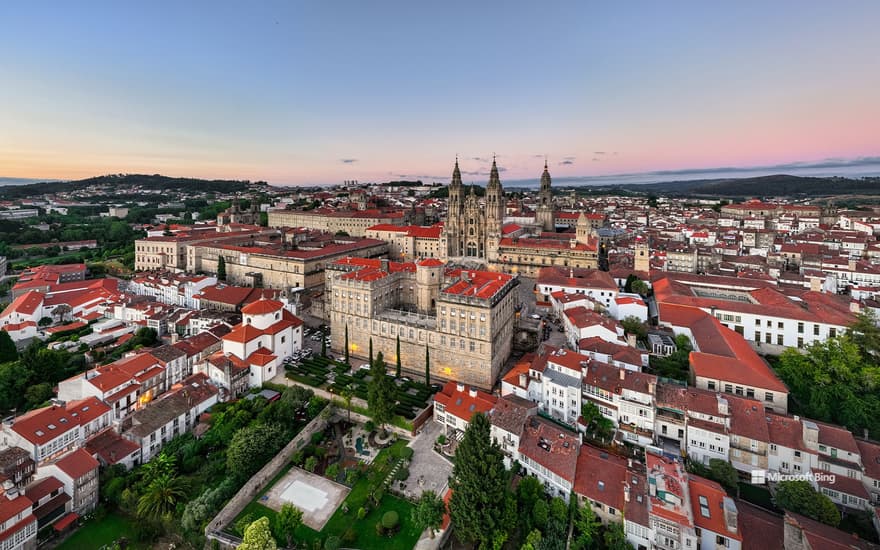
<point x="472" y="231"/>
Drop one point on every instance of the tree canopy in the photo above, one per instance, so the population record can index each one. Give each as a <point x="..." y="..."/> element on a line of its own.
<point x="800" y="497"/>
<point x="381" y="392"/>
<point x="835" y="381"/>
<point x="258" y="536"/>
<point x="482" y="507"/>
<point x="428" y="512"/>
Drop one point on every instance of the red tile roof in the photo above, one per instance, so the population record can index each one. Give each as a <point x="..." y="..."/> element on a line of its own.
<point x="461" y="404"/>
<point x="262" y="307"/>
<point x="551" y="446"/>
<point x="43" y="425"/>
<point x="479" y="284"/>
<point x="601" y="477"/>
<point x="77" y="464"/>
<point x="26" y="304"/>
<point x="711" y="516"/>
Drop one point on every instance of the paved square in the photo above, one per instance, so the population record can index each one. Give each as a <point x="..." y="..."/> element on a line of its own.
<point x="316" y="496"/>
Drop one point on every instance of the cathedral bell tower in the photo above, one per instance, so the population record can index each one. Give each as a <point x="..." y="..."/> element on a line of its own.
<point x="544" y="214"/>
<point x="451" y="235"/>
<point x="495" y="208"/>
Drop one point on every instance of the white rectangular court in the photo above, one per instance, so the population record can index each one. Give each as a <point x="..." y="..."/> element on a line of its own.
<point x="316" y="496"/>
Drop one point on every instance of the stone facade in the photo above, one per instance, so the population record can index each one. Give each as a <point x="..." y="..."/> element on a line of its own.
<point x="354" y="223"/>
<point x="275" y="268"/>
<point x="464" y="318"/>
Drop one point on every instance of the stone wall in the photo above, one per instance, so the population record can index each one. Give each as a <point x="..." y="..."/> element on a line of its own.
<point x="258" y="482"/>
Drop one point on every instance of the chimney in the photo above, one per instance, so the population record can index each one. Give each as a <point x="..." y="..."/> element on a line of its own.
<point x="622" y="374"/>
<point x="651" y="388"/>
<point x="852" y="265"/>
<point x="472" y="391"/>
<point x="459" y="387"/>
<point x="386" y="265"/>
<point x="522" y="379"/>
<point x="631" y="340"/>
<point x="626" y="493"/>
<point x="854" y="306"/>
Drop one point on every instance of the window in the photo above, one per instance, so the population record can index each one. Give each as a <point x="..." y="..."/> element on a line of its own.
<point x="779" y="340"/>
<point x="800" y="328"/>
<point x="815" y="330"/>
<point x="800" y="341"/>
<point x="711" y="384"/>
<point x="768" y="396"/>
<point x="832" y="332"/>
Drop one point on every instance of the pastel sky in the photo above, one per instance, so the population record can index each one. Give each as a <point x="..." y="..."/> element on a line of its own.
<point x="324" y="91"/>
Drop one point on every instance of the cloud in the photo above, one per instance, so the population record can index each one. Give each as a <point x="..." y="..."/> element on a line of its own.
<point x="595" y="159"/>
<point x="796" y="165"/>
<point x="348" y="161"/>
<point x="566" y="161"/>
<point x="600" y="152"/>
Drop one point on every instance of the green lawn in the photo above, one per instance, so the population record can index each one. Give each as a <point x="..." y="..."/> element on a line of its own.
<point x="96" y="533"/>
<point x="365" y="529"/>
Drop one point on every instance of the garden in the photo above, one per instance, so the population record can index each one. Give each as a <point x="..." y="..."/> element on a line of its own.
<point x="178" y="492"/>
<point x="411" y="397"/>
<point x="369" y="517"/>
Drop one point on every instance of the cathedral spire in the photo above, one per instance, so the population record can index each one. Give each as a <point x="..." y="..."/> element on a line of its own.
<point x="456" y="174"/>
<point x="494" y="180"/>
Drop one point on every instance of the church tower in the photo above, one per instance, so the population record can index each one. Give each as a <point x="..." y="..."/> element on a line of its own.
<point x="452" y="229"/>
<point x="583" y="230"/>
<point x="642" y="261"/>
<point x="544" y="214"/>
<point x="495" y="208"/>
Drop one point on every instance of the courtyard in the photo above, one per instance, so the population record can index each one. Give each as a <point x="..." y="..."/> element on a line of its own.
<point x="428" y="470"/>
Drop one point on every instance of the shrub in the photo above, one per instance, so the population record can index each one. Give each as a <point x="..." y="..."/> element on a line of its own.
<point x="311" y="464"/>
<point x="317" y="438"/>
<point x="362" y="513"/>
<point x="390" y="520"/>
<point x="402" y="474"/>
<point x="369" y="425"/>
<point x="441" y="439"/>
<point x="332" y="543"/>
<point x="332" y="471"/>
<point x="406" y="453"/>
<point x="349" y="536"/>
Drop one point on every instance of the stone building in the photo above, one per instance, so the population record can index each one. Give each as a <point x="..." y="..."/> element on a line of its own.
<point x="463" y="318"/>
<point x="351" y="222"/>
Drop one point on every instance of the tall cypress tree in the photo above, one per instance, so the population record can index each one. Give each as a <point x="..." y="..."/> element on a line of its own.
<point x="482" y="507"/>
<point x="380" y="393"/>
<point x="397" y="374"/>
<point x="427" y="366"/>
<point x="346" y="346"/>
<point x="371" y="351"/>
<point x="221" y="268"/>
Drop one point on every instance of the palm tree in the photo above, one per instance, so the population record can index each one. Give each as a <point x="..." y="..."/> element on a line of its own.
<point x="162" y="496"/>
<point x="162" y="464"/>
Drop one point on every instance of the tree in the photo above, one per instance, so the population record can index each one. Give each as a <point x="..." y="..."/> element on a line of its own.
<point x="397" y="371"/>
<point x="428" y="512"/>
<point x="800" y="497"/>
<point x="427" y="366"/>
<point x="380" y="393"/>
<point x="481" y="506"/>
<point x="724" y="473"/>
<point x="586" y="525"/>
<point x="371" y="351"/>
<point x="251" y="447"/>
<point x="615" y="538"/>
<point x="634" y="325"/>
<point x="8" y="351"/>
<point x="323" y="345"/>
<point x="833" y="382"/>
<point x="640" y="287"/>
<point x="287" y="521"/>
<point x="221" y="268"/>
<point x="540" y="513"/>
<point x="346" y="346"/>
<point x="598" y="426"/>
<point x="162" y="496"/>
<point x="865" y="333"/>
<point x="347" y="394"/>
<point x="258" y="536"/>
<point x="533" y="540"/>
<point x="61" y="311"/>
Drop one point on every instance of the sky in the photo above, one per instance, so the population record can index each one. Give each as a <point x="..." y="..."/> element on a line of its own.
<point x="321" y="92"/>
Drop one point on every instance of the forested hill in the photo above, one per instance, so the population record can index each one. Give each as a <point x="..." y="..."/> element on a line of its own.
<point x="775" y="185"/>
<point x="117" y="182"/>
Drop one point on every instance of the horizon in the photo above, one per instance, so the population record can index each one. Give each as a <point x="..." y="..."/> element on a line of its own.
<point x="318" y="94"/>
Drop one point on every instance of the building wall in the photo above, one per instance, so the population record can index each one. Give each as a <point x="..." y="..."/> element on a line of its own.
<point x="356" y="226"/>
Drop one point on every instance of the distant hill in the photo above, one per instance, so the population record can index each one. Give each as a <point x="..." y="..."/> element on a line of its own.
<point x="152" y="182"/>
<point x="775" y="185"/>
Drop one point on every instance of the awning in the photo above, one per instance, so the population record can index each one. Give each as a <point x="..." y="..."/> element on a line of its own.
<point x="66" y="521"/>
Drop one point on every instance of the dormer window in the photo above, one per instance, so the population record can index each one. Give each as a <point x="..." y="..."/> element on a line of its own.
<point x="277" y="315"/>
<point x="52" y="426"/>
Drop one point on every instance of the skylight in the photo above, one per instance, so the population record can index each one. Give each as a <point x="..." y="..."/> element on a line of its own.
<point x="704" y="506"/>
